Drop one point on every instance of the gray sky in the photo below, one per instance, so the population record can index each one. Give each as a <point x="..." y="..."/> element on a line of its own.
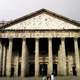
<point x="12" y="9"/>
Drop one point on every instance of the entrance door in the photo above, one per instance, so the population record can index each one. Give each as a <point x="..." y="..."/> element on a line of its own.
<point x="43" y="69"/>
<point x="31" y="70"/>
<point x="55" y="69"/>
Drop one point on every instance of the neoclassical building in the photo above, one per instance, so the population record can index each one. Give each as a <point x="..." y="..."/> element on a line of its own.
<point x="40" y="43"/>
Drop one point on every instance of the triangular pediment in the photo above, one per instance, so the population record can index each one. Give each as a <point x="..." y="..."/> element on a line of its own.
<point x="41" y="20"/>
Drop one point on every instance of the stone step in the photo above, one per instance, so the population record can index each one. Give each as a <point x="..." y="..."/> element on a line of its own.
<point x="40" y="78"/>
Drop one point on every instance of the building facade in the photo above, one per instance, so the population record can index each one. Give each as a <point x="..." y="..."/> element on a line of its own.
<point x="40" y="43"/>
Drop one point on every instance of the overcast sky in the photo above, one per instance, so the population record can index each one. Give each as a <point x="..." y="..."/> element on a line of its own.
<point x="12" y="9"/>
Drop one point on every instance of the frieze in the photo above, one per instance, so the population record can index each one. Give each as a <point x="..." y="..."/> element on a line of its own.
<point x="39" y="34"/>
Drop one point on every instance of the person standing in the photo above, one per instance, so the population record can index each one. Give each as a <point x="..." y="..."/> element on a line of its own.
<point x="52" y="76"/>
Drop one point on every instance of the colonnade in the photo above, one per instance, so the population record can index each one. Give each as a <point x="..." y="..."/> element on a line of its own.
<point x="61" y="58"/>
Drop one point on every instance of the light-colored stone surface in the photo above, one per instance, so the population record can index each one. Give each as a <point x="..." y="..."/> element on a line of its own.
<point x="16" y="63"/>
<point x="62" y="59"/>
<point x="50" y="57"/>
<point x="43" y="21"/>
<point x="70" y="65"/>
<point x="59" y="61"/>
<point x="39" y="34"/>
<point x="23" y="60"/>
<point x="36" y="57"/>
<point x="4" y="60"/>
<point x="9" y="58"/>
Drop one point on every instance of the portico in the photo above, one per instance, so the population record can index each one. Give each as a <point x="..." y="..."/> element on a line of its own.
<point x="36" y="57"/>
<point x="37" y="50"/>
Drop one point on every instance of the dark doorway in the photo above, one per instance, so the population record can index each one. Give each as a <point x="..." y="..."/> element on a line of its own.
<point x="43" y="69"/>
<point x="55" y="69"/>
<point x="31" y="69"/>
<point x="12" y="71"/>
<point x="74" y="71"/>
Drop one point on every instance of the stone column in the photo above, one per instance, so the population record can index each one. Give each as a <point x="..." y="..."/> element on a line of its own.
<point x="62" y="59"/>
<point x="9" y="57"/>
<point x="77" y="57"/>
<point x="36" y="57"/>
<point x="0" y="57"/>
<point x="23" y="61"/>
<point x="50" y="56"/>
<point x="70" y="62"/>
<point x="16" y="63"/>
<point x="4" y="60"/>
<point x="27" y="60"/>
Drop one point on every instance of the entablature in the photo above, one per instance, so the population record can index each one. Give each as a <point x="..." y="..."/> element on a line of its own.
<point x="39" y="33"/>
